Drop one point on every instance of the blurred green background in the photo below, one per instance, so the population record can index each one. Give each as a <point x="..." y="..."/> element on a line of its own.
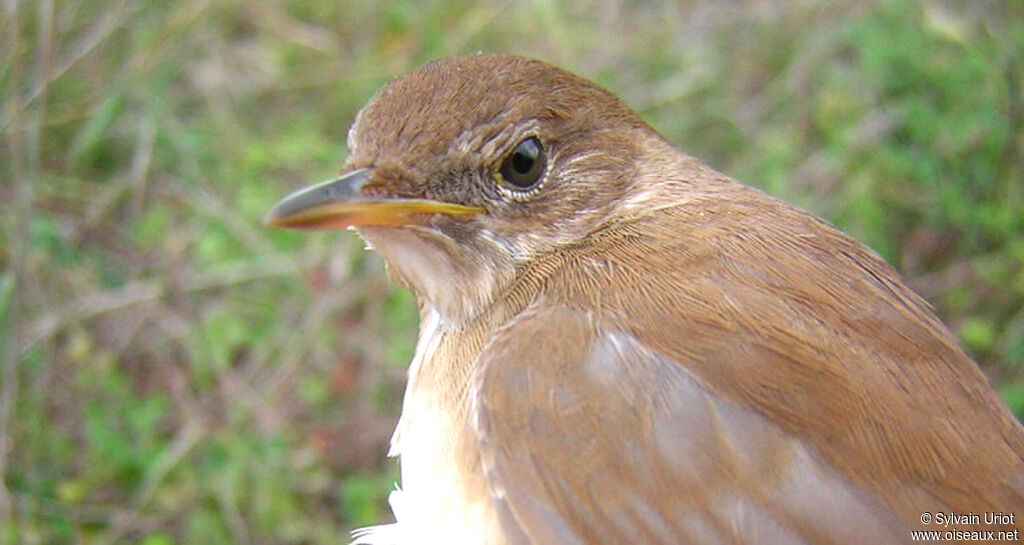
<point x="175" y="372"/>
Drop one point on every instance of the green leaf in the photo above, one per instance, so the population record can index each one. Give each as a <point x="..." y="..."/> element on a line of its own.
<point x="96" y="128"/>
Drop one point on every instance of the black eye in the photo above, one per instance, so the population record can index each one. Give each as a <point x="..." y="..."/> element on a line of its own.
<point x="523" y="168"/>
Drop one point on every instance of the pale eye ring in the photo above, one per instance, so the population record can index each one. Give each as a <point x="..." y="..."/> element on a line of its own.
<point x="524" y="167"/>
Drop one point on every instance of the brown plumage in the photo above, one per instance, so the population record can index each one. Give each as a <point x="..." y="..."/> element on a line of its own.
<point x="620" y="345"/>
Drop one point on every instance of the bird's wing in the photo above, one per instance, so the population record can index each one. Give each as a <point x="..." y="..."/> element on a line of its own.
<point x="602" y="440"/>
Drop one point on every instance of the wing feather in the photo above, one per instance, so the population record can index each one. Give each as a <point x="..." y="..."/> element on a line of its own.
<point x="601" y="440"/>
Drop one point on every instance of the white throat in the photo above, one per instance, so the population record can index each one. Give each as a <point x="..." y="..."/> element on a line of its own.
<point x="452" y="278"/>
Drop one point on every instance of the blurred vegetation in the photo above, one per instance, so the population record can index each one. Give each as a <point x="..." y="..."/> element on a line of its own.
<point x="174" y="372"/>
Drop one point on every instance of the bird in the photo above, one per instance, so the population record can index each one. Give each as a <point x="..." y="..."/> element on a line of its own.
<point x="620" y="344"/>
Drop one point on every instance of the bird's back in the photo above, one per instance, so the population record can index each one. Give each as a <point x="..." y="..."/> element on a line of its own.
<point x="777" y="311"/>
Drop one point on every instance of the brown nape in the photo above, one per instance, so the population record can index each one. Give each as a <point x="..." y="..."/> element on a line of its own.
<point x="621" y="345"/>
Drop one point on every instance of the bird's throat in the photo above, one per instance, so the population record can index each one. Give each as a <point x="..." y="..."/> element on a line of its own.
<point x="459" y="281"/>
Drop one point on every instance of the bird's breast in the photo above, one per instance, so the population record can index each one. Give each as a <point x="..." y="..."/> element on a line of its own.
<point x="444" y="496"/>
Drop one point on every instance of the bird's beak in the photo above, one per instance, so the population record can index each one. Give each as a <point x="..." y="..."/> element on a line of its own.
<point x="340" y="203"/>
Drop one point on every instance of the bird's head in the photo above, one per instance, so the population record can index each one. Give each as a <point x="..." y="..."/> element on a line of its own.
<point x="461" y="172"/>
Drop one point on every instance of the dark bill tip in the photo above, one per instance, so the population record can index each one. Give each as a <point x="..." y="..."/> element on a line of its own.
<point x="341" y="203"/>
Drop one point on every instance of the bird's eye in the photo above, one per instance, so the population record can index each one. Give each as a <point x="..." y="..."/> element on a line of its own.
<point x="523" y="168"/>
